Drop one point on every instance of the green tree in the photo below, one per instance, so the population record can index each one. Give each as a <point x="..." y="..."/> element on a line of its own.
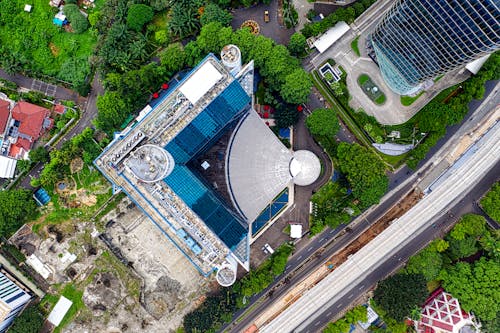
<point x="184" y="19"/>
<point x="29" y="321"/>
<point x="469" y="225"/>
<point x="211" y="39"/>
<point x="427" y="262"/>
<point x="297" y="44"/>
<point x="477" y="286"/>
<point x="337" y="89"/>
<point x="173" y="58"/>
<point x="214" y="13"/>
<point x="358" y="313"/>
<point x="16" y="208"/>
<point x="39" y="154"/>
<point x="323" y="122"/>
<point x="138" y="15"/>
<point x="364" y="171"/>
<point x="297" y="87"/>
<point x="112" y="111"/>
<point x="491" y="202"/>
<point x="462" y="248"/>
<point x="286" y="116"/>
<point x="399" y="294"/>
<point x="340" y="326"/>
<point x="78" y="22"/>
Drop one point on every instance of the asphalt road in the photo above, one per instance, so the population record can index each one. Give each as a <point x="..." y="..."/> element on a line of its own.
<point x="439" y="229"/>
<point x="303" y="261"/>
<point x="57" y="92"/>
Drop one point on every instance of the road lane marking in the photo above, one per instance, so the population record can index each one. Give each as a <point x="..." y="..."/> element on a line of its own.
<point x="323" y="239"/>
<point x="299" y="258"/>
<point x="309" y="249"/>
<point x="338" y="306"/>
<point x="317" y="323"/>
<point x="350" y="296"/>
<point x="362" y="286"/>
<point x="329" y="314"/>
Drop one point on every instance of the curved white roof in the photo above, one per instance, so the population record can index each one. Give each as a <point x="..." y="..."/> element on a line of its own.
<point x="305" y="167"/>
<point x="257" y="166"/>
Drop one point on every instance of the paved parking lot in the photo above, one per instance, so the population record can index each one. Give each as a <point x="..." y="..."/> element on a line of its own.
<point x="272" y="29"/>
<point x="45" y="88"/>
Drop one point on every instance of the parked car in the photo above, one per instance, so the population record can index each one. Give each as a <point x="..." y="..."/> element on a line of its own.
<point x="266" y="16"/>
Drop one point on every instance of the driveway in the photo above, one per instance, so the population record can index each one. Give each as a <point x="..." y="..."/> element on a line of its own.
<point x="58" y="92"/>
<point x="272" y="29"/>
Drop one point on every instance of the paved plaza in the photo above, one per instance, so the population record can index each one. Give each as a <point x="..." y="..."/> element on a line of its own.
<point x="391" y="112"/>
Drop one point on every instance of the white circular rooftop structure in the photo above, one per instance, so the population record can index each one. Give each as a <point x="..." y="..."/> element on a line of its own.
<point x="226" y="275"/>
<point x="231" y="58"/>
<point x="305" y="167"/>
<point x="150" y="163"/>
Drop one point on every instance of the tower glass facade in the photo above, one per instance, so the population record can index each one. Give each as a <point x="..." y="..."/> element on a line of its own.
<point x="419" y="40"/>
<point x="13" y="300"/>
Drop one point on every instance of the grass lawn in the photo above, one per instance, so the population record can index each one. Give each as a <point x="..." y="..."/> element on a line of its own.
<point x="71" y="293"/>
<point x="355" y="47"/>
<point x="362" y="79"/>
<point x="33" y="39"/>
<point x="371" y="89"/>
<point x="92" y="182"/>
<point x="380" y="100"/>
<point x="408" y="100"/>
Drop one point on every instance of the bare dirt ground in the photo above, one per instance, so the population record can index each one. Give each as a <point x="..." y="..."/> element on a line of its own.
<point x="168" y="284"/>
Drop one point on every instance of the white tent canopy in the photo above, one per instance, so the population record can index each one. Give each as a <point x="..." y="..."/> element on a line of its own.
<point x="57" y="314"/>
<point x="331" y="36"/>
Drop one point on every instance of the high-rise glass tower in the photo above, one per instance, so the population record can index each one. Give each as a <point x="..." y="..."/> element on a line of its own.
<point x="418" y="40"/>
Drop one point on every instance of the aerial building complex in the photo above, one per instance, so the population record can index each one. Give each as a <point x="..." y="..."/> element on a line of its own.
<point x="14" y="297"/>
<point x="420" y="40"/>
<point x="204" y="166"/>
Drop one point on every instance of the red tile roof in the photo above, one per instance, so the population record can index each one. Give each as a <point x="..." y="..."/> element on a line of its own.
<point x="15" y="151"/>
<point x="4" y="114"/>
<point x="59" y="109"/>
<point x="31" y="117"/>
<point x="24" y="143"/>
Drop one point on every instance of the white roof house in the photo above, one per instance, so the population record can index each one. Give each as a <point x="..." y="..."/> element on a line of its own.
<point x="7" y="167"/>
<point x="57" y="314"/>
<point x="331" y="36"/>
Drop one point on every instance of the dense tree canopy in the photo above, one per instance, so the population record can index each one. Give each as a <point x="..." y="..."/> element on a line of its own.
<point x="297" y="44"/>
<point x="427" y="262"/>
<point x="296" y="87"/>
<point x="184" y="19"/>
<point x="30" y="321"/>
<point x="16" y="208"/>
<point x="173" y="58"/>
<point x="39" y="154"/>
<point x="78" y="22"/>
<point x="364" y="171"/>
<point x="213" y="13"/>
<point x="477" y="286"/>
<point x="491" y="202"/>
<point x="112" y="111"/>
<point x="399" y="294"/>
<point x="323" y="122"/>
<point x="138" y="15"/>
